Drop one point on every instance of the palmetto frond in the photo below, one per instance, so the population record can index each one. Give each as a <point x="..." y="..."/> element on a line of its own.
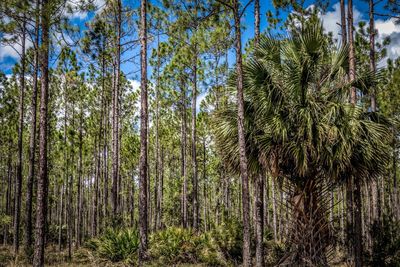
<point x="297" y="116"/>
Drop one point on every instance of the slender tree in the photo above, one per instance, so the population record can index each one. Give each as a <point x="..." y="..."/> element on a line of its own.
<point x="143" y="221"/>
<point x="42" y="183"/>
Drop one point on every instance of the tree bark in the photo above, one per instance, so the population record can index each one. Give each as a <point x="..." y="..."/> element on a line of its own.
<point x="256" y="22"/>
<point x="352" y="59"/>
<point x="143" y="222"/>
<point x="343" y="22"/>
<point x="42" y="183"/>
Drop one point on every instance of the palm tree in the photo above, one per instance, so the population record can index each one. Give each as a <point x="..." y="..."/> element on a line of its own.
<point x="299" y="124"/>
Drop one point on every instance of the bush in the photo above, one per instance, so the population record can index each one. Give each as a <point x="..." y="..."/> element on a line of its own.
<point x="116" y="245"/>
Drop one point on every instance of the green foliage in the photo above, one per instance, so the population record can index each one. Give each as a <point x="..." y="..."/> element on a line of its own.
<point x="116" y="245"/>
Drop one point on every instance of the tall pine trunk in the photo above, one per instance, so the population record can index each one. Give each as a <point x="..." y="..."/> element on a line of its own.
<point x="42" y="183"/>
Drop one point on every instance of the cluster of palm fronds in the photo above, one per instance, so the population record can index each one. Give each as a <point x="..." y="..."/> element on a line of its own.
<point x="300" y="126"/>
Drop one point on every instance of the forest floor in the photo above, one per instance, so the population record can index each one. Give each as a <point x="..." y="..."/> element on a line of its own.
<point x="55" y="258"/>
<point x="81" y="258"/>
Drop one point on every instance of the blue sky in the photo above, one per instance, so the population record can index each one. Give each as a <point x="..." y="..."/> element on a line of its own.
<point x="385" y="26"/>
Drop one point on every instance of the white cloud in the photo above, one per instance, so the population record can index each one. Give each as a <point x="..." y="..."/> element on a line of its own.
<point x="81" y="15"/>
<point x="14" y="50"/>
<point x="200" y="99"/>
<point x="386" y="28"/>
<point x="331" y="20"/>
<point x="135" y="85"/>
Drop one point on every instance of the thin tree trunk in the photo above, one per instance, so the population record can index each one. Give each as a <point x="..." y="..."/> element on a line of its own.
<point x="194" y="156"/>
<point x="274" y="208"/>
<point x="9" y="188"/>
<point x="143" y="222"/>
<point x="259" y="219"/>
<point x="205" y="185"/>
<point x="70" y="179"/>
<point x="372" y="49"/>
<point x="60" y="218"/>
<point x="32" y="146"/>
<point x="42" y="183"/>
<point x="256" y="22"/>
<point x="115" y="112"/>
<point x="18" y="184"/>
<point x="343" y="22"/>
<point x="79" y="184"/>
<point x="183" y="158"/>
<point x="157" y="181"/>
<point x="242" y="140"/>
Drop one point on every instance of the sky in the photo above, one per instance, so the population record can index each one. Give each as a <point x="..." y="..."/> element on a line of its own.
<point x="385" y="26"/>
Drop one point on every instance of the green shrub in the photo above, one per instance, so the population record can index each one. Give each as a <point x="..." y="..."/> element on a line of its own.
<point x="116" y="245"/>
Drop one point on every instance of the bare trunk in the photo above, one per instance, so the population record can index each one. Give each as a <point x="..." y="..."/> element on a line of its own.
<point x="143" y="222"/>
<point x="194" y="156"/>
<point x="18" y="183"/>
<point x="79" y="185"/>
<point x="343" y="22"/>
<point x="372" y="49"/>
<point x="256" y="22"/>
<point x="115" y="117"/>
<point x="260" y="219"/>
<point x="352" y="59"/>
